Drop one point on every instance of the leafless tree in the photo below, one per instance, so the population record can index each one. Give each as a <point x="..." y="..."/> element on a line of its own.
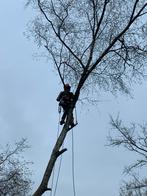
<point x="14" y="174"/>
<point x="95" y="45"/>
<point x="135" y="187"/>
<point x="134" y="139"/>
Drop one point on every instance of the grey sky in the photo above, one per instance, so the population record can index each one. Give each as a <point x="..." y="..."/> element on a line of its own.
<point x="28" y="89"/>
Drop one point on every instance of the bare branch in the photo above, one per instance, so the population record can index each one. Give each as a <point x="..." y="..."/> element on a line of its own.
<point x="116" y="39"/>
<point x="133" y="11"/>
<point x="58" y="35"/>
<point x="96" y="31"/>
<point x="14" y="175"/>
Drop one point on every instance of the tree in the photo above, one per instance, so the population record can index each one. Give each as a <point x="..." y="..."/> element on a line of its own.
<point x="95" y="45"/>
<point x="14" y="175"/>
<point x="134" y="139"/>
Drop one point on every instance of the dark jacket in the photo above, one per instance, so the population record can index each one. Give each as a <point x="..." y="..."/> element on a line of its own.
<point x="65" y="98"/>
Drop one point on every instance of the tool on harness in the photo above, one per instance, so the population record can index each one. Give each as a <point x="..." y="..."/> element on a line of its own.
<point x="59" y="108"/>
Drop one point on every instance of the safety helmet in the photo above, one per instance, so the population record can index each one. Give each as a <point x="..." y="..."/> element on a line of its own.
<point x="67" y="86"/>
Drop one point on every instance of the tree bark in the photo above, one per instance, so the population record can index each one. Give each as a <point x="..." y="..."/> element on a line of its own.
<point x="55" y="154"/>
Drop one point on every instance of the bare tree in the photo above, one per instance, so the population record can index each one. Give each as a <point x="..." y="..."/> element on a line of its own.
<point x="14" y="174"/>
<point x="135" y="187"/>
<point x="95" y="45"/>
<point x="134" y="139"/>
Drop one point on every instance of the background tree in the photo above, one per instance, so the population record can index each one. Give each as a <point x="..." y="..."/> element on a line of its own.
<point x="134" y="139"/>
<point x="14" y="174"/>
<point x="95" y="45"/>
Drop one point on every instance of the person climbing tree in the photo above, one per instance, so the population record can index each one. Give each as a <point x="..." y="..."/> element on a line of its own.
<point x="97" y="45"/>
<point x="65" y="99"/>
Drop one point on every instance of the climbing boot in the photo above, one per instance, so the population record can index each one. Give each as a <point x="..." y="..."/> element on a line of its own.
<point x="72" y="125"/>
<point x="62" y="122"/>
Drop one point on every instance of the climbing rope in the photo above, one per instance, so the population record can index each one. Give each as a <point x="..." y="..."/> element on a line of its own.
<point x="60" y="162"/>
<point x="76" y="118"/>
<point x="52" y="183"/>
<point x="58" y="173"/>
<point x="73" y="165"/>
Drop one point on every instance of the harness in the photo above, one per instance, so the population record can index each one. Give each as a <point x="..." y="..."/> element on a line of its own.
<point x="66" y="99"/>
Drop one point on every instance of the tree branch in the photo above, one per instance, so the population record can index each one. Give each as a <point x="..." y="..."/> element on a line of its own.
<point x="115" y="40"/>
<point x="59" y="37"/>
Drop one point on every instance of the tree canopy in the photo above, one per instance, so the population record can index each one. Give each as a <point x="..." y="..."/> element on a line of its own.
<point x="100" y="40"/>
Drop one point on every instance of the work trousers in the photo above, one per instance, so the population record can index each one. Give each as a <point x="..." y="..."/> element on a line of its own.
<point x="65" y="112"/>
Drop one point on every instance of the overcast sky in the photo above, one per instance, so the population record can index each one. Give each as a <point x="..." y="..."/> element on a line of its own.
<point x="28" y="108"/>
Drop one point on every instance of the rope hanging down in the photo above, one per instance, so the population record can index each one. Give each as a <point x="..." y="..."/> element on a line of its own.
<point x="58" y="172"/>
<point x="60" y="162"/>
<point x="73" y="165"/>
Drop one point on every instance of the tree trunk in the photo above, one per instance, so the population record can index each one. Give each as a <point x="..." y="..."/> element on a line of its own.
<point x="55" y="154"/>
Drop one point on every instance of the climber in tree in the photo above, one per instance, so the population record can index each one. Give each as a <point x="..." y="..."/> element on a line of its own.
<point x="65" y="99"/>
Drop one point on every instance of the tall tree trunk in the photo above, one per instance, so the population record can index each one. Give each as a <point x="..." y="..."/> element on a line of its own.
<point x="56" y="152"/>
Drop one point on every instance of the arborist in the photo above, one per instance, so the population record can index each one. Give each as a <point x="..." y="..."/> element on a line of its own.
<point x="65" y="99"/>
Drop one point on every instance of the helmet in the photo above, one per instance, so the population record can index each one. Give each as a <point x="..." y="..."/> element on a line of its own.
<point x="67" y="86"/>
